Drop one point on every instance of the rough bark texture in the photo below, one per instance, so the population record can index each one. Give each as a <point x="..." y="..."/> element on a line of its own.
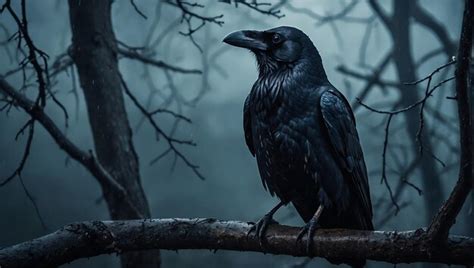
<point x="446" y="216"/>
<point x="470" y="210"/>
<point x="87" y="239"/>
<point x="94" y="51"/>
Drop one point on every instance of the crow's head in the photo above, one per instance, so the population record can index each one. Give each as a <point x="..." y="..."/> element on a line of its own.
<point x="280" y="48"/>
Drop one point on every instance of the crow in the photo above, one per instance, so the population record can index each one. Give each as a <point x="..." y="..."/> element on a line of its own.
<point x="302" y="131"/>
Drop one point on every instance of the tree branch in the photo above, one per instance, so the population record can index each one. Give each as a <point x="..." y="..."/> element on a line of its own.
<point x="171" y="141"/>
<point x="156" y="63"/>
<point x="372" y="79"/>
<point x="342" y="15"/>
<point x="386" y="19"/>
<point x="87" y="239"/>
<point x="425" y="19"/>
<point x="86" y="159"/>
<point x="446" y="217"/>
<point x="257" y="6"/>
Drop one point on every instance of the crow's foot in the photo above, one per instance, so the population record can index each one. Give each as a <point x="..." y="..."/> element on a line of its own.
<point x="310" y="228"/>
<point x="260" y="228"/>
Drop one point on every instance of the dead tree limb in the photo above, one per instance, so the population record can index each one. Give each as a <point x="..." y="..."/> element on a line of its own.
<point x="88" y="239"/>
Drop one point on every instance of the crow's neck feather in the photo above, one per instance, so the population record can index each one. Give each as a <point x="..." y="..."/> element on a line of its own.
<point x="275" y="77"/>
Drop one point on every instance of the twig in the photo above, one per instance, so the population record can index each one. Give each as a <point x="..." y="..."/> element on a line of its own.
<point x="428" y="93"/>
<point x="30" y="125"/>
<point x="33" y="51"/>
<point x="132" y="2"/>
<point x="33" y="202"/>
<point x="256" y="6"/>
<point x="341" y="15"/>
<point x="171" y="141"/>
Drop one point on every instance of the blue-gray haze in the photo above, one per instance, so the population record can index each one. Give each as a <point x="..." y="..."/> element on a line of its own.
<point x="232" y="189"/>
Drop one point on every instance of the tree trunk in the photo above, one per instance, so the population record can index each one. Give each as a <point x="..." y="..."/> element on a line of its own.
<point x="470" y="211"/>
<point x="94" y="51"/>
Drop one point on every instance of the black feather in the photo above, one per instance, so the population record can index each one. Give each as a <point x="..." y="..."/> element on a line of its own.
<point x="303" y="134"/>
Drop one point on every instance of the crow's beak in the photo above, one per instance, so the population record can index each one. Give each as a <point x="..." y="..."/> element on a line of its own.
<point x="252" y="40"/>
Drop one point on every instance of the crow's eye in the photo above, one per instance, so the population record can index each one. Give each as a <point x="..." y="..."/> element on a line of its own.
<point x="276" y="38"/>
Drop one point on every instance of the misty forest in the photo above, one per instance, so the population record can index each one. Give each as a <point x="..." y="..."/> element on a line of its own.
<point x="138" y="133"/>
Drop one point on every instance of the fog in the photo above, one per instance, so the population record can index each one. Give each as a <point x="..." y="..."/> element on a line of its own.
<point x="65" y="192"/>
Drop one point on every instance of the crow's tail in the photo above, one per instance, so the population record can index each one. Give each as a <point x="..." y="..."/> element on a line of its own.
<point x="352" y="263"/>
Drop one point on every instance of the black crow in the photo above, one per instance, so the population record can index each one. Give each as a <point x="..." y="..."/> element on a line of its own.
<point x="303" y="133"/>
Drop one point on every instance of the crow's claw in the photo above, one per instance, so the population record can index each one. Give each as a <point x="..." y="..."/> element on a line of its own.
<point x="261" y="227"/>
<point x="309" y="228"/>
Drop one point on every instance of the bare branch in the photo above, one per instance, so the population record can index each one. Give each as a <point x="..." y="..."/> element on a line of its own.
<point x="411" y="106"/>
<point x="342" y="15"/>
<point x="132" y="2"/>
<point x="130" y="54"/>
<point x="430" y="76"/>
<point x="30" y="125"/>
<point x="34" y="53"/>
<point x="374" y="79"/>
<point x="86" y="159"/>
<point x="188" y="15"/>
<point x="257" y="6"/>
<point x="386" y="19"/>
<point x="383" y="178"/>
<point x="33" y="202"/>
<point x="191" y="14"/>
<point x="428" y="93"/>
<point x="174" y="114"/>
<point x="171" y="141"/>
<point x="88" y="239"/>
<point x="419" y="133"/>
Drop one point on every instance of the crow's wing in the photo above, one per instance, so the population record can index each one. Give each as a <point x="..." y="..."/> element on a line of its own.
<point x="340" y="124"/>
<point x="248" y="126"/>
<point x="265" y="172"/>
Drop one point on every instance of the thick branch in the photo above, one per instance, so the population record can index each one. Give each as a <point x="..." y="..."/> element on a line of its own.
<point x="87" y="239"/>
<point x="425" y="19"/>
<point x="446" y="217"/>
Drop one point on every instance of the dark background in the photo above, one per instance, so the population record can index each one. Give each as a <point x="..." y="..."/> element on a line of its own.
<point x="66" y="193"/>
